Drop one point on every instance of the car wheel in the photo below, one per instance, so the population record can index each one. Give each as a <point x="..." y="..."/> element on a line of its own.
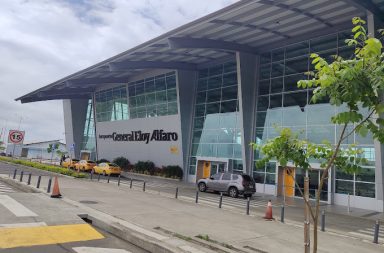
<point x="202" y="187"/>
<point x="247" y="196"/>
<point x="233" y="192"/>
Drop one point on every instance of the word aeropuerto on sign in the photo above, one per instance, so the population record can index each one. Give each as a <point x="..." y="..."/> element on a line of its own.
<point x="156" y="135"/>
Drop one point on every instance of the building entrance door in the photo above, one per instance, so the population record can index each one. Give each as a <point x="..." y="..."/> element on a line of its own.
<point x="314" y="181"/>
<point x="206" y="168"/>
<point x="217" y="167"/>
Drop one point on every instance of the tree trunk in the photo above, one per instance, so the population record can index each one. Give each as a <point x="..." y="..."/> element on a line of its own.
<point x="307" y="230"/>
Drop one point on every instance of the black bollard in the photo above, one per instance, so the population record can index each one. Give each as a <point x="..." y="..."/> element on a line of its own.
<point x="98" y="177"/>
<point x="282" y="213"/>
<point x="177" y="192"/>
<point x="49" y="185"/>
<point x="118" y="181"/>
<point x="323" y="221"/>
<point x="109" y="175"/>
<point x="197" y="197"/>
<point x="21" y="176"/>
<point x="144" y="186"/>
<point x="91" y="174"/>
<point x="248" y="202"/>
<point x="376" y="233"/>
<point x="38" y="182"/>
<point x="130" y="185"/>
<point x="221" y="199"/>
<point x="29" y="178"/>
<point x="14" y="174"/>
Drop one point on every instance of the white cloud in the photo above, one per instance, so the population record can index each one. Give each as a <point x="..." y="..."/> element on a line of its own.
<point x="42" y="41"/>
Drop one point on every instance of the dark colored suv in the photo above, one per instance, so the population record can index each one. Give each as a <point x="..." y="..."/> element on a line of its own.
<point x="233" y="184"/>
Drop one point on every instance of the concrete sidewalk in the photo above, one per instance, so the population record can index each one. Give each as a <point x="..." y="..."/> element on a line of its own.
<point x="184" y="219"/>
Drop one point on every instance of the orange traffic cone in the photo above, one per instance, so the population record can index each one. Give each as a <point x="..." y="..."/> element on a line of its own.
<point x="268" y="211"/>
<point x="56" y="191"/>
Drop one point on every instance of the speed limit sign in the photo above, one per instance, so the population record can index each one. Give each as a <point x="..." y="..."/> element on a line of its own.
<point x="16" y="136"/>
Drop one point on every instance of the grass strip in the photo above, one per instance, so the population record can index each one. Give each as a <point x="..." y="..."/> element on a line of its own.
<point x="46" y="167"/>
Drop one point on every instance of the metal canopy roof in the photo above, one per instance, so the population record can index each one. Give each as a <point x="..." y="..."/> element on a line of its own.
<point x="251" y="26"/>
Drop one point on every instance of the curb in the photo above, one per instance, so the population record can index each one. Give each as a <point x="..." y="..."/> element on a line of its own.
<point x="18" y="185"/>
<point x="154" y="177"/>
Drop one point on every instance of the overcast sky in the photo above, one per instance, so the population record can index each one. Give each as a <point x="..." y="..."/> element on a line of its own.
<point x="42" y="41"/>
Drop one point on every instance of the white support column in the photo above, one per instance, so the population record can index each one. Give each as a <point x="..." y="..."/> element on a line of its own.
<point x="379" y="155"/>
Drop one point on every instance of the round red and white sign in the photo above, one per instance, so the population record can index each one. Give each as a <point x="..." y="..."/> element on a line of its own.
<point x="16" y="136"/>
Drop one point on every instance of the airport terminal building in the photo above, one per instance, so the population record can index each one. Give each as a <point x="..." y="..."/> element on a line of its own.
<point x="198" y="95"/>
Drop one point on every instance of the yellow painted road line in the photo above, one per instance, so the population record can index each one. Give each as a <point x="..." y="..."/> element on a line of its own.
<point x="32" y="236"/>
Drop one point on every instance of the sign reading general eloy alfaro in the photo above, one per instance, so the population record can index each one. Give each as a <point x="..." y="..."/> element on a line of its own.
<point x="156" y="135"/>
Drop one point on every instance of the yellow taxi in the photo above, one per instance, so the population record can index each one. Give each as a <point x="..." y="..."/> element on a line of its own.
<point x="85" y="165"/>
<point x="107" y="169"/>
<point x="69" y="163"/>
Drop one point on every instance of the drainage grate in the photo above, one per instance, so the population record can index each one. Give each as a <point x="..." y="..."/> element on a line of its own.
<point x="88" y="202"/>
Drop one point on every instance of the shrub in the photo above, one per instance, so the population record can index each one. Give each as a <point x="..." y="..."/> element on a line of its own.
<point x="146" y="166"/>
<point x="122" y="162"/>
<point x="173" y="171"/>
<point x="102" y="160"/>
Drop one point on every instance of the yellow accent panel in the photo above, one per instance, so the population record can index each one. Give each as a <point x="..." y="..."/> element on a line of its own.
<point x="32" y="236"/>
<point x="289" y="182"/>
<point x="206" y="169"/>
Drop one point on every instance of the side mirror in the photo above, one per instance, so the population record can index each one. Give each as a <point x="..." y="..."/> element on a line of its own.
<point x="211" y="178"/>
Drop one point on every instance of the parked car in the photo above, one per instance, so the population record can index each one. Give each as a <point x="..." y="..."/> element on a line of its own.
<point x="233" y="184"/>
<point x="69" y="163"/>
<point x="3" y="154"/>
<point x="85" y="165"/>
<point x="107" y="169"/>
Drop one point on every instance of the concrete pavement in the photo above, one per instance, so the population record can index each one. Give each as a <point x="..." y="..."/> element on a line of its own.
<point x="167" y="216"/>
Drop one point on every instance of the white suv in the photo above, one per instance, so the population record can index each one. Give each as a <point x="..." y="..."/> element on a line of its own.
<point x="233" y="184"/>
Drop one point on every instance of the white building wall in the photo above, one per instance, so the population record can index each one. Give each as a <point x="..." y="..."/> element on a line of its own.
<point x="161" y="152"/>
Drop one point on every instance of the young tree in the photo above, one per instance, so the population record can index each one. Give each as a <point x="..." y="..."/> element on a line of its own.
<point x="52" y="148"/>
<point x="358" y="85"/>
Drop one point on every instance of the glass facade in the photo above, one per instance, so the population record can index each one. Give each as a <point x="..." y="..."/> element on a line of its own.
<point x="216" y="128"/>
<point x="281" y="103"/>
<point x="150" y="97"/>
<point x="89" y="130"/>
<point x="112" y="104"/>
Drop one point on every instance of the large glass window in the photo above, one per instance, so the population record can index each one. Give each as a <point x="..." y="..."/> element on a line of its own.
<point x="112" y="104"/>
<point x="153" y="97"/>
<point x="216" y="127"/>
<point x="280" y="103"/>
<point x="150" y="97"/>
<point x="89" y="130"/>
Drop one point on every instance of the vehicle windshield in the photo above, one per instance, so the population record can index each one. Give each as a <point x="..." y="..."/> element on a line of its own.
<point x="75" y="160"/>
<point x="90" y="161"/>
<point x="113" y="164"/>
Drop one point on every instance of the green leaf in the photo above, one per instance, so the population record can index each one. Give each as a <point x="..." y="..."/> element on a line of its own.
<point x="379" y="108"/>
<point x="357" y="35"/>
<point x="356" y="28"/>
<point x="363" y="131"/>
<point x="283" y="162"/>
